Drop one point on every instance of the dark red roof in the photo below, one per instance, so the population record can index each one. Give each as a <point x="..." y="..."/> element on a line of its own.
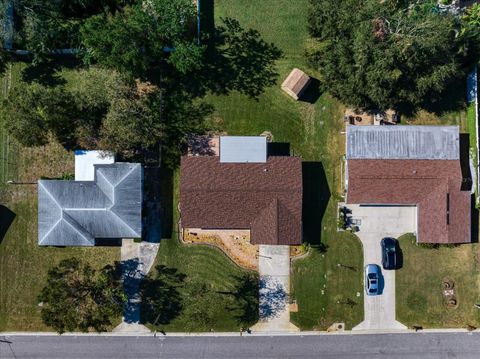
<point x="434" y="186"/>
<point x="263" y="197"/>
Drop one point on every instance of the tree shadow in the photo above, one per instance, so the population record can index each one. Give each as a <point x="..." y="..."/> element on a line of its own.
<point x="236" y="59"/>
<point x="273" y="299"/>
<point x="451" y="99"/>
<point x="166" y="202"/>
<point x="161" y="299"/>
<point x="153" y="215"/>
<point x="132" y="276"/>
<point x="474" y="218"/>
<point x="245" y="295"/>
<point x="465" y="162"/>
<point x="316" y="195"/>
<point x="6" y="219"/>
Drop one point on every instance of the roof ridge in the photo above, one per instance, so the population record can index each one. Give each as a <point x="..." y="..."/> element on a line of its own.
<point x="77" y="227"/>
<point x="111" y="210"/>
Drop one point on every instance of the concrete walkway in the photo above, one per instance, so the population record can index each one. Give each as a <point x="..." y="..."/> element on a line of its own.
<point x="136" y="260"/>
<point x="274" y="269"/>
<point x="378" y="222"/>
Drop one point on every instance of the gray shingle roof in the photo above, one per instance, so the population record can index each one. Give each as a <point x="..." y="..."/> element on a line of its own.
<point x="403" y="142"/>
<point x="74" y="213"/>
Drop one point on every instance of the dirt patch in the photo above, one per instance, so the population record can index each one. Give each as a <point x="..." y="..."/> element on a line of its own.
<point x="297" y="251"/>
<point x="234" y="243"/>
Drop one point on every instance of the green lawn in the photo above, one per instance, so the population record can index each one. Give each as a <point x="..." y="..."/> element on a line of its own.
<point x="200" y="264"/>
<point x="419" y="285"/>
<point x="23" y="264"/>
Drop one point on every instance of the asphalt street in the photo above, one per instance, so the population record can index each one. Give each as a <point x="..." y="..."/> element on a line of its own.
<point x="415" y="345"/>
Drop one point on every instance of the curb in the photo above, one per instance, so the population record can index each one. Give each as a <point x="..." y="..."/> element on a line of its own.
<point x="236" y="334"/>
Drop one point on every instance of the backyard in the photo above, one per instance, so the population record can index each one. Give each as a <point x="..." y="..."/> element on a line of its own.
<point x="419" y="285"/>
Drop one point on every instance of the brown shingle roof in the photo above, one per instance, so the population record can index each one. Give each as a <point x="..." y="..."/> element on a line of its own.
<point x="428" y="184"/>
<point x="263" y="197"/>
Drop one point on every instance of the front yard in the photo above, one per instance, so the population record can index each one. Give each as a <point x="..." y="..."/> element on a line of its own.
<point x="420" y="301"/>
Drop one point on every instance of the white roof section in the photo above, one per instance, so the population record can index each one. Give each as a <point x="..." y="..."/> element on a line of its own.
<point x="403" y="142"/>
<point x="85" y="161"/>
<point x="243" y="149"/>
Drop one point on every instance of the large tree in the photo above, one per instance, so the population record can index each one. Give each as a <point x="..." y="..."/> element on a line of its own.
<point x="386" y="54"/>
<point x="76" y="296"/>
<point x="32" y="112"/>
<point x="141" y="36"/>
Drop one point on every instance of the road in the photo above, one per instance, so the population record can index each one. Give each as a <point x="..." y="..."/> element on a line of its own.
<point x="414" y="345"/>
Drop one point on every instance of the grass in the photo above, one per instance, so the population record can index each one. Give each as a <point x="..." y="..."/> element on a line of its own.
<point x="472" y="130"/>
<point x="419" y="285"/>
<point x="200" y="264"/>
<point x="23" y="264"/>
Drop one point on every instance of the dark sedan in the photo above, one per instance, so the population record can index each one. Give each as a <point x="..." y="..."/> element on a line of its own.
<point x="389" y="253"/>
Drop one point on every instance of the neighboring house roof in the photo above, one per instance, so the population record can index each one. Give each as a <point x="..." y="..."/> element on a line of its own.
<point x="74" y="213"/>
<point x="263" y="197"/>
<point x="241" y="149"/>
<point x="433" y="185"/>
<point x="403" y="142"/>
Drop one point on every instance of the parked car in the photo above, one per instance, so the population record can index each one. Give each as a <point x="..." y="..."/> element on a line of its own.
<point x="372" y="279"/>
<point x="389" y="253"/>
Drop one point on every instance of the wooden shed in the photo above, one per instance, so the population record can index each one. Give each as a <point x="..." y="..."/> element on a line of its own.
<point x="296" y="83"/>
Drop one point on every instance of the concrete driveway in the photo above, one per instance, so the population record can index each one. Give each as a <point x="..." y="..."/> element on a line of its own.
<point x="274" y="270"/>
<point x="378" y="222"/>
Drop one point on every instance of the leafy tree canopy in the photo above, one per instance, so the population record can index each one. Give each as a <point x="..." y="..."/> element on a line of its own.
<point x="134" y="39"/>
<point x="77" y="296"/>
<point x="386" y="54"/>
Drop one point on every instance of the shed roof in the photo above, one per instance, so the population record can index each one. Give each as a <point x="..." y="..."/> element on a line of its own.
<point x="263" y="197"/>
<point x="403" y="142"/>
<point x="243" y="149"/>
<point x="74" y="213"/>
<point x="295" y="83"/>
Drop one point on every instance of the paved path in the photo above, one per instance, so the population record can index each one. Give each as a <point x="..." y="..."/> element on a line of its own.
<point x="137" y="259"/>
<point x="336" y="346"/>
<point x="274" y="269"/>
<point x="377" y="223"/>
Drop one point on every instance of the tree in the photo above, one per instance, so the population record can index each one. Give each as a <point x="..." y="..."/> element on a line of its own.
<point x="77" y="296"/>
<point x="32" y="112"/>
<point x="135" y="39"/>
<point x="392" y="54"/>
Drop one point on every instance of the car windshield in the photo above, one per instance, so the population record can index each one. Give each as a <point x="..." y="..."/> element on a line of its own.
<point x="372" y="275"/>
<point x="372" y="290"/>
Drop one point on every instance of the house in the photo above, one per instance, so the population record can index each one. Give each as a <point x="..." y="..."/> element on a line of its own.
<point x="103" y="202"/>
<point x="244" y="188"/>
<point x="412" y="166"/>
